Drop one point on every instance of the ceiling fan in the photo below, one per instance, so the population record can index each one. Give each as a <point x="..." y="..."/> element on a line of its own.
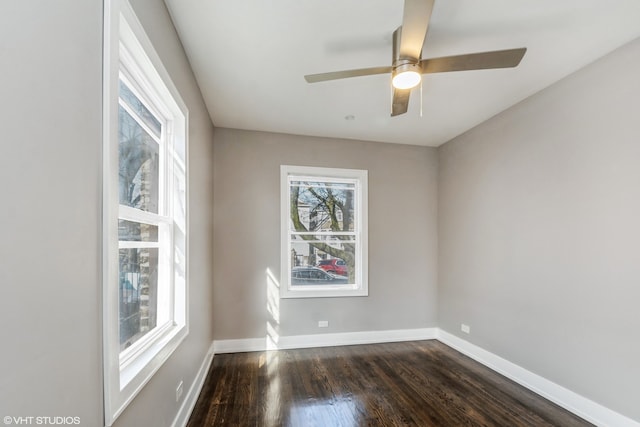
<point x="408" y="66"/>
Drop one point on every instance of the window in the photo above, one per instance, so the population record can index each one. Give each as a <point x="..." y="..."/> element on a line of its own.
<point x="324" y="232"/>
<point x="145" y="199"/>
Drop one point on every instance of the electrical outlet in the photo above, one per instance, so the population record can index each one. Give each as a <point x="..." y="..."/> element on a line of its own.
<point x="179" y="391"/>
<point x="465" y="328"/>
<point x="323" y="324"/>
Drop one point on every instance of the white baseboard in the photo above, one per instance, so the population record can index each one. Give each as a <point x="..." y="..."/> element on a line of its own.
<point x="191" y="398"/>
<point x="239" y="345"/>
<point x="573" y="402"/>
<point x="353" y="338"/>
<point x="322" y="340"/>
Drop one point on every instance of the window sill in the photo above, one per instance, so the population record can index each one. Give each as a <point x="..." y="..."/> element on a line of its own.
<point x="138" y="371"/>
<point x="153" y="351"/>
<point x="324" y="292"/>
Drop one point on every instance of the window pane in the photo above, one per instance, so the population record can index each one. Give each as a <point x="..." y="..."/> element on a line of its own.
<point x="137" y="231"/>
<point x="138" y="165"/>
<point x="138" y="293"/>
<point x="322" y="206"/>
<point x="334" y="255"/>
<point x="140" y="110"/>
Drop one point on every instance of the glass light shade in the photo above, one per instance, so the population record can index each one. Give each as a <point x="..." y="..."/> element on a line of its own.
<point x="406" y="79"/>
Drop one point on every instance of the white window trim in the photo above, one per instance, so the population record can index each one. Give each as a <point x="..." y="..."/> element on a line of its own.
<point x="123" y="379"/>
<point x="361" y="288"/>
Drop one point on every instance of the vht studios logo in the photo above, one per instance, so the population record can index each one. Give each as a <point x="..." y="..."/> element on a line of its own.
<point x="42" y="421"/>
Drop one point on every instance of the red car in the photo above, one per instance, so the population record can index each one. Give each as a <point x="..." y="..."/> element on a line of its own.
<point x="334" y="265"/>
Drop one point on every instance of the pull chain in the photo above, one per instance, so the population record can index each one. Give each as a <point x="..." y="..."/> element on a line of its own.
<point x="420" y="98"/>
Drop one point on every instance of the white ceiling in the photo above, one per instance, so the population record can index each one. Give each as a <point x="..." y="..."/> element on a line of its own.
<point x="250" y="56"/>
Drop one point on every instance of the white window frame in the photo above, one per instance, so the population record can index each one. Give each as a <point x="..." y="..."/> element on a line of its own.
<point x="359" y="178"/>
<point x="129" y="54"/>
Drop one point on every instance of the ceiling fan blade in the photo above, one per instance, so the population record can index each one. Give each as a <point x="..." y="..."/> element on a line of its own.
<point x="400" y="102"/>
<point x="415" y="22"/>
<point x="335" y="75"/>
<point x="474" y="61"/>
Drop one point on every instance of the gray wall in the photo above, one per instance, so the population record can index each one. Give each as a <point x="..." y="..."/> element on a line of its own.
<point x="539" y="247"/>
<point x="402" y="235"/>
<point x="50" y="110"/>
<point x="50" y="166"/>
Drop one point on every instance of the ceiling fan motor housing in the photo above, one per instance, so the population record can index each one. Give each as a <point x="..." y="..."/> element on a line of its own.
<point x="406" y="72"/>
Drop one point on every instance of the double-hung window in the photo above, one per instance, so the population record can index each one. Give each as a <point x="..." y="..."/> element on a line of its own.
<point x="324" y="232"/>
<point x="145" y="199"/>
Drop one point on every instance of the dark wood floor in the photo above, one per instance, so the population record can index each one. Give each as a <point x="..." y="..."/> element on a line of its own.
<point x="420" y="383"/>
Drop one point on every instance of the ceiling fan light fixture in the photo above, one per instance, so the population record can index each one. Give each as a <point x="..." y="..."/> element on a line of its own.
<point x="406" y="76"/>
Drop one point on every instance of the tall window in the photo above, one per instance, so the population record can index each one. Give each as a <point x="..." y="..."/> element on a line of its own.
<point x="145" y="198"/>
<point x="324" y="232"/>
<point x="139" y="220"/>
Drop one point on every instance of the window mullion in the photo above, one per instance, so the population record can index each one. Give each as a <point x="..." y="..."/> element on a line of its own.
<point x="126" y="244"/>
<point x="132" y="214"/>
<point x="322" y="233"/>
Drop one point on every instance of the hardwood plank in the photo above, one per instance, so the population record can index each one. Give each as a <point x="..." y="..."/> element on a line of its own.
<point x="419" y="383"/>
